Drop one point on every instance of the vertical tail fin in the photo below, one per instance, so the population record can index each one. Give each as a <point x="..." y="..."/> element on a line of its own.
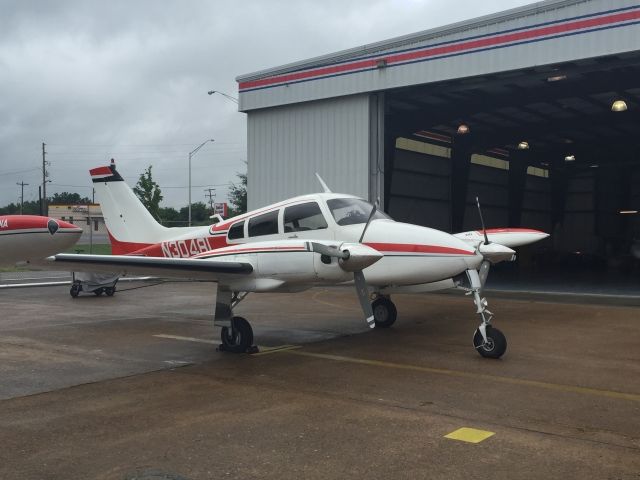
<point x="130" y="225"/>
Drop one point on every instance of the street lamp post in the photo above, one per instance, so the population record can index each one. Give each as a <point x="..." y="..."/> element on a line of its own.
<point x="191" y="154"/>
<point x="233" y="99"/>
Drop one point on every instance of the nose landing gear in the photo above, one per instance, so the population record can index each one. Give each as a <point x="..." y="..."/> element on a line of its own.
<point x="488" y="341"/>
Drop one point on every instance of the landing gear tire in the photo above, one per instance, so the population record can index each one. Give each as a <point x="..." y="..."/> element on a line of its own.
<point x="75" y="290"/>
<point x="110" y="291"/>
<point x="494" y="347"/>
<point x="384" y="312"/>
<point x="98" y="292"/>
<point x="238" y="338"/>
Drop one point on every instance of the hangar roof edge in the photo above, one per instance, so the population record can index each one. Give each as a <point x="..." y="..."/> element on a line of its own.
<point x="436" y="32"/>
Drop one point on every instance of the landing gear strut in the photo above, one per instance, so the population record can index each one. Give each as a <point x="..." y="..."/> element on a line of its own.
<point x="488" y="341"/>
<point x="236" y="334"/>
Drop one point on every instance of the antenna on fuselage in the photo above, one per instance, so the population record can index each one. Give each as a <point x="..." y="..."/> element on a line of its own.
<point x="324" y="185"/>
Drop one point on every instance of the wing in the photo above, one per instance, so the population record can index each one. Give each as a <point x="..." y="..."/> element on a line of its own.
<point x="191" y="268"/>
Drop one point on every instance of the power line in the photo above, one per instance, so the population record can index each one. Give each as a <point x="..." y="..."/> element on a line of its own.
<point x="20" y="171"/>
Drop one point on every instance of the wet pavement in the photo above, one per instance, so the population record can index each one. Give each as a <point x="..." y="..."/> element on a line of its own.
<point x="132" y="386"/>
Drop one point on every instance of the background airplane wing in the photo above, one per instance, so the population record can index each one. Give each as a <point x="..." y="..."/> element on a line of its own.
<point x="191" y="268"/>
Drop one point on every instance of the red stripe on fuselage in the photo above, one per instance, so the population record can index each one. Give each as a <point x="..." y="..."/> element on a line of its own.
<point x="25" y="222"/>
<point x="413" y="248"/>
<point x="236" y="251"/>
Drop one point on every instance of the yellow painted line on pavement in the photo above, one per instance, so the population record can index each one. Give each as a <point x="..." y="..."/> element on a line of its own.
<point x="469" y="435"/>
<point x="278" y="349"/>
<point x="262" y="350"/>
<point x="483" y="376"/>
<point x="186" y="339"/>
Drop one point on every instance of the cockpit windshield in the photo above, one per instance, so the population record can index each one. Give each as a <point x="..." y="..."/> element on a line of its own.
<point x="351" y="211"/>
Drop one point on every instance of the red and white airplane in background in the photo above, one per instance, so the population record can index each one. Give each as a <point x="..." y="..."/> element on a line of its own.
<point x="307" y="241"/>
<point x="26" y="238"/>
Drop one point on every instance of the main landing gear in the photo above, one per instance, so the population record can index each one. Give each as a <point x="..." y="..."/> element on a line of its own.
<point x="236" y="333"/>
<point x="384" y="312"/>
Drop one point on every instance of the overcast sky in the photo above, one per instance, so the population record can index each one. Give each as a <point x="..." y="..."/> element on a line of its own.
<point x="129" y="80"/>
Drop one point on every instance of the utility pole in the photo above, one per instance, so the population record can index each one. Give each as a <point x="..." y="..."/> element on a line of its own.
<point x="191" y="153"/>
<point x="212" y="195"/>
<point x="45" y="174"/>
<point x="22" y="184"/>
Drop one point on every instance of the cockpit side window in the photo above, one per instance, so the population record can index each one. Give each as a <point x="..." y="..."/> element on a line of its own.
<point x="303" y="217"/>
<point x="265" y="224"/>
<point x="351" y="211"/>
<point x="236" y="230"/>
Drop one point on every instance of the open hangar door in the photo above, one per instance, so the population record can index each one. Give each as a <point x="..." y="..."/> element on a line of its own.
<point x="544" y="148"/>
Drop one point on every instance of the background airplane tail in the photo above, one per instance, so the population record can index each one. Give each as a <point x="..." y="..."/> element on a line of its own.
<point x="130" y="225"/>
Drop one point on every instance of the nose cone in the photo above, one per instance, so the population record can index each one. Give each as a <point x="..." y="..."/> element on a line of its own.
<point x="360" y="257"/>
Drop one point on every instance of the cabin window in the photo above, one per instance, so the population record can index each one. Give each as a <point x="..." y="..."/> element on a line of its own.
<point x="306" y="216"/>
<point x="265" y="224"/>
<point x="236" y="230"/>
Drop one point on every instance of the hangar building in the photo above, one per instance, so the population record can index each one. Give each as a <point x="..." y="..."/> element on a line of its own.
<point x="535" y="110"/>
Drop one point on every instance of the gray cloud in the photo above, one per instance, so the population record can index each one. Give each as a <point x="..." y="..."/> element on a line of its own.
<point x="128" y="80"/>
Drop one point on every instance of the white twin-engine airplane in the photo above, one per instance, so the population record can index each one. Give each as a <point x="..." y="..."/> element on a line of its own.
<point x="291" y="246"/>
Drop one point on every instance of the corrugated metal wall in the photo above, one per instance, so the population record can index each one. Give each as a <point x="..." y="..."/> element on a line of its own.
<point x="287" y="145"/>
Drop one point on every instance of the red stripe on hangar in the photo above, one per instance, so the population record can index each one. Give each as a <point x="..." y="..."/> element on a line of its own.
<point x="534" y="33"/>
<point x="413" y="248"/>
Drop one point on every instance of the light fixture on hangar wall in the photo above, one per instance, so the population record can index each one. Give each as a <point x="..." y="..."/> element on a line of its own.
<point x="523" y="146"/>
<point x="463" y="129"/>
<point x="619" y="106"/>
<point x="556" y="78"/>
<point x="569" y="158"/>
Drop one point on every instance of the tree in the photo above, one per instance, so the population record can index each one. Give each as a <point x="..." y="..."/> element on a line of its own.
<point x="170" y="217"/>
<point x="149" y="193"/>
<point x="30" y="207"/>
<point x="199" y="213"/>
<point x="238" y="195"/>
<point x="66" y="198"/>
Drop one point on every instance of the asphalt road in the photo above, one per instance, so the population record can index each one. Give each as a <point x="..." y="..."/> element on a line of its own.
<point x="132" y="387"/>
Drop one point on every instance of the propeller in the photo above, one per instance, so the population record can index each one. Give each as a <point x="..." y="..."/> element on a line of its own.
<point x="355" y="257"/>
<point x="491" y="252"/>
<point x="484" y="230"/>
<point x="373" y="212"/>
